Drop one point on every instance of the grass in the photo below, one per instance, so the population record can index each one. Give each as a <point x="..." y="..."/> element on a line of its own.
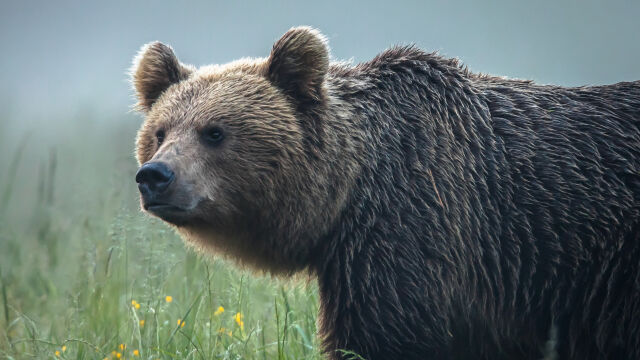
<point x="85" y="275"/>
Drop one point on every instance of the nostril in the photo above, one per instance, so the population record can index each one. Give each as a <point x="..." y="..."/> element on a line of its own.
<point x="156" y="176"/>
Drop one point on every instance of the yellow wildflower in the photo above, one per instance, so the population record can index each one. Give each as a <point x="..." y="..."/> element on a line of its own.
<point x="122" y="346"/>
<point x="113" y="353"/>
<point x="239" y="321"/>
<point x="64" y="348"/>
<point x="57" y="353"/>
<point x="168" y="298"/>
<point x="181" y="323"/>
<point x="118" y="355"/>
<point x="136" y="352"/>
<point x="141" y="323"/>
<point x="219" y="311"/>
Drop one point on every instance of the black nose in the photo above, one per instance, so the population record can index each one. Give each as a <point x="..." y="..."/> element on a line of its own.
<point x="154" y="178"/>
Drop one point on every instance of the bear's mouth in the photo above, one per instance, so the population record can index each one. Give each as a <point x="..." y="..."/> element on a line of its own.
<point x="170" y="213"/>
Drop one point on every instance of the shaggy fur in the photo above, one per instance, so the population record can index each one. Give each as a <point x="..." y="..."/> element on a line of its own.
<point x="446" y="215"/>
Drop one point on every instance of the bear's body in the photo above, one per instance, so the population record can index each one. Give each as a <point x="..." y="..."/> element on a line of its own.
<point x="487" y="210"/>
<point x="445" y="214"/>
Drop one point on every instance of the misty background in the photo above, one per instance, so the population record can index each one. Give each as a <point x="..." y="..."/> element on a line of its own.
<point x="59" y="55"/>
<point x="65" y="93"/>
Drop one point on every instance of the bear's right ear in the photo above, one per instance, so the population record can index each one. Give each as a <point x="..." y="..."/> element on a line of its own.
<point x="298" y="64"/>
<point x="155" y="68"/>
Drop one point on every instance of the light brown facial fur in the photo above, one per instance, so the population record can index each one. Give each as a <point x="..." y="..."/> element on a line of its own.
<point x="257" y="194"/>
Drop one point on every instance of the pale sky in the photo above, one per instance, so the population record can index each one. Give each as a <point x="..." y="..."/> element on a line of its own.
<point x="58" y="56"/>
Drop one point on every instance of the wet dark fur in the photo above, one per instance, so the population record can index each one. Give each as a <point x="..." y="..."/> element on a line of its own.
<point x="486" y="211"/>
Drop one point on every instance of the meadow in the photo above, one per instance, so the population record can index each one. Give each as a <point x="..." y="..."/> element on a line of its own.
<point x="85" y="275"/>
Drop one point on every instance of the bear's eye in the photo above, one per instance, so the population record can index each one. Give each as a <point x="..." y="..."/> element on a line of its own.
<point x="213" y="136"/>
<point x="160" y="136"/>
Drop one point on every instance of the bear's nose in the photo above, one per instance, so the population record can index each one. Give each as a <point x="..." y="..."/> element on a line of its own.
<point x="154" y="178"/>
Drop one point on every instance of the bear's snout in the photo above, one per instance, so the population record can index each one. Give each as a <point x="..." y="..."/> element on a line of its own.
<point x="153" y="180"/>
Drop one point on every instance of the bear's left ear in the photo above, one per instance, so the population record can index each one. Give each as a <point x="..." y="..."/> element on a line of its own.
<point x="298" y="64"/>
<point x="155" y="69"/>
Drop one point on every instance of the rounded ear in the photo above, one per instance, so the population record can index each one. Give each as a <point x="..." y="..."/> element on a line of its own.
<point x="298" y="64"/>
<point x="155" y="68"/>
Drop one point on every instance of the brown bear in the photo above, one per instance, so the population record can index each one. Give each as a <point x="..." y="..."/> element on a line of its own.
<point x="445" y="214"/>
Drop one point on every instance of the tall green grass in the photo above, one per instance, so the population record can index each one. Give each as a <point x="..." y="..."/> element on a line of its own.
<point x="85" y="275"/>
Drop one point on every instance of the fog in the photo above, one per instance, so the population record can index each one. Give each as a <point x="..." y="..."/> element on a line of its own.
<point x="59" y="56"/>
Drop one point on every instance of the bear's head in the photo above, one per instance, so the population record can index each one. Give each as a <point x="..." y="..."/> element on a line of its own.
<point x="243" y="158"/>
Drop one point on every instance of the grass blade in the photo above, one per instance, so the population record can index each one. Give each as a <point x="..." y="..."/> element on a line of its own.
<point x="12" y="171"/>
